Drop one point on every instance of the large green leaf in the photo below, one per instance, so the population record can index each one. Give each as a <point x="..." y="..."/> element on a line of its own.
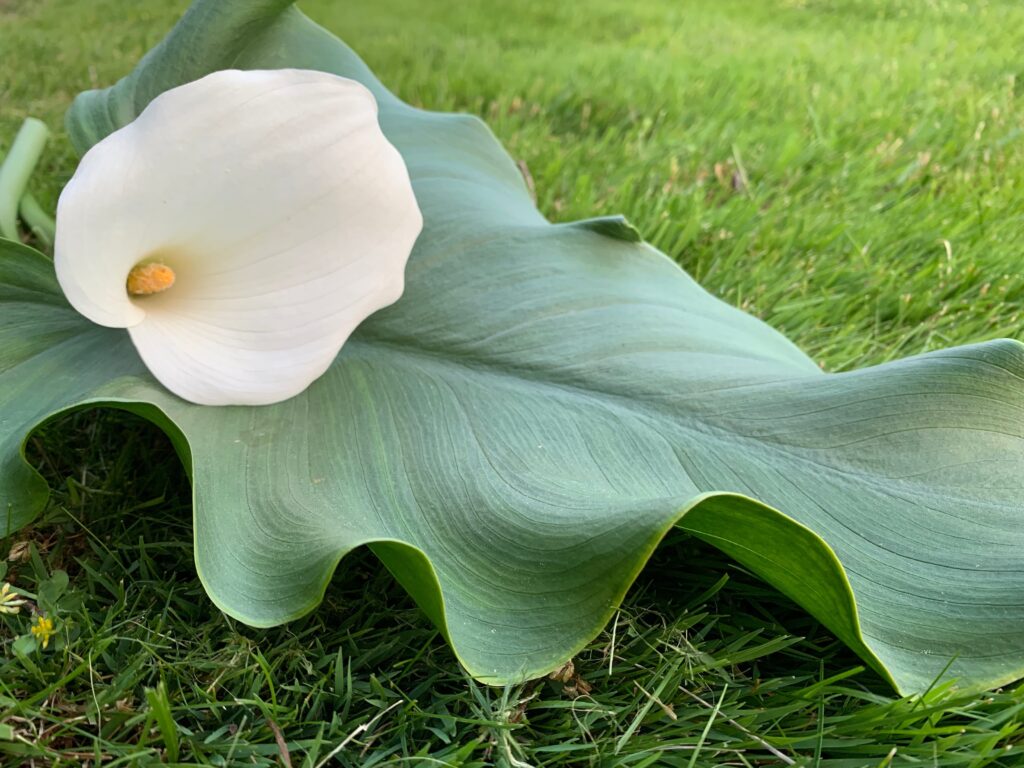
<point x="516" y="435"/>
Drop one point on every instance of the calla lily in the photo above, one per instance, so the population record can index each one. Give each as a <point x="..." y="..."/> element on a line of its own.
<point x="240" y="229"/>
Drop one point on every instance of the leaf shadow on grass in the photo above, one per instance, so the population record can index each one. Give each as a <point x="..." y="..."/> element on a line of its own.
<point x="122" y="505"/>
<point x="686" y="576"/>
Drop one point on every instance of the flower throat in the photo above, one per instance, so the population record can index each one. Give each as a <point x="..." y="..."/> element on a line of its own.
<point x="147" y="279"/>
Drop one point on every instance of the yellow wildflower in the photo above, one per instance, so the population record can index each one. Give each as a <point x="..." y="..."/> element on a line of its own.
<point x="10" y="601"/>
<point x="42" y="628"/>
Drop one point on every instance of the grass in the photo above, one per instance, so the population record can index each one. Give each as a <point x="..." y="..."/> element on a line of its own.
<point x="851" y="172"/>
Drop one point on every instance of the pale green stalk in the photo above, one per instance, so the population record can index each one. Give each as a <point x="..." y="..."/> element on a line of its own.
<point x="38" y="220"/>
<point x="16" y="170"/>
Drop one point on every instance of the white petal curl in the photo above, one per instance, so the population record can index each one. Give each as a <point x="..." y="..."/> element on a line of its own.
<point x="283" y="210"/>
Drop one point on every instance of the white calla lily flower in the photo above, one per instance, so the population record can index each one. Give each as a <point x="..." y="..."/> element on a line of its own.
<point x="240" y="229"/>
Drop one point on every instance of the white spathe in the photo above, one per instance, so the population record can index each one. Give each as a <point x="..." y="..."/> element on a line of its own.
<point x="285" y="214"/>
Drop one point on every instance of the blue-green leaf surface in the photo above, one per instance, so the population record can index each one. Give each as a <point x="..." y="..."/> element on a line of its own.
<point x="515" y="436"/>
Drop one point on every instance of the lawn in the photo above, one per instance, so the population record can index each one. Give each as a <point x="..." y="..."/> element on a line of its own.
<point x="852" y="173"/>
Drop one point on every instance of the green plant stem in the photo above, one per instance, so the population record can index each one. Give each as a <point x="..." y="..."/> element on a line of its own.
<point x="16" y="170"/>
<point x="38" y="220"/>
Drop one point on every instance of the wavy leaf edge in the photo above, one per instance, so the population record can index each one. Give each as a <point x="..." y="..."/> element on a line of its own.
<point x="391" y="551"/>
